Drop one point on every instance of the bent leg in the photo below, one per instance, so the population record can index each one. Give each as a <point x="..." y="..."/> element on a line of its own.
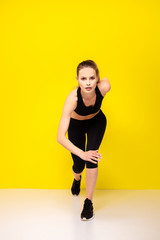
<point x="76" y="175"/>
<point x="76" y="135"/>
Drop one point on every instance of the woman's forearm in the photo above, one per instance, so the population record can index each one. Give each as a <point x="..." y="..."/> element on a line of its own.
<point x="65" y="142"/>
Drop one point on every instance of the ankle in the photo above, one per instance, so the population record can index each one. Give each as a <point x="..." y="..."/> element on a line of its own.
<point x="89" y="198"/>
<point x="77" y="179"/>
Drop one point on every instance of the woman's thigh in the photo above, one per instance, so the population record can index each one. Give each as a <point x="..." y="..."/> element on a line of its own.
<point x="95" y="133"/>
<point x="76" y="134"/>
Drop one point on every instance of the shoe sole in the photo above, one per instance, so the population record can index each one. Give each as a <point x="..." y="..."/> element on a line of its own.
<point x="85" y="219"/>
<point x="75" y="195"/>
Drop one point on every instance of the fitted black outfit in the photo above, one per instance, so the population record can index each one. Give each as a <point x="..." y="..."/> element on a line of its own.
<point x="93" y="129"/>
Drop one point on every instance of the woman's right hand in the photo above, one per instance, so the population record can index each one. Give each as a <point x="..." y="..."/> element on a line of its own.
<point x="90" y="156"/>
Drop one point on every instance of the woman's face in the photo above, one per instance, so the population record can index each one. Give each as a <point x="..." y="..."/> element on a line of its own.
<point x="87" y="78"/>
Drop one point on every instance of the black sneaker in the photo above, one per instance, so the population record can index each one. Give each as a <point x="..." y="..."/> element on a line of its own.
<point x="87" y="212"/>
<point x="75" y="189"/>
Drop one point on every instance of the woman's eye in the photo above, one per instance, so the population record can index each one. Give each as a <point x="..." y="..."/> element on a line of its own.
<point x="91" y="78"/>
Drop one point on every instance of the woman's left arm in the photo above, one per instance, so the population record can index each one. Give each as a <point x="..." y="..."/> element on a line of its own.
<point x="106" y="80"/>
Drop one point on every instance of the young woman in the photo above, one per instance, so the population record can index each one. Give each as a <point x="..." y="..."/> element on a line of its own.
<point x="83" y="117"/>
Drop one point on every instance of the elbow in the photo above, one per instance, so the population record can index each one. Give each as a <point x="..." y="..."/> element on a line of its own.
<point x="108" y="87"/>
<point x="59" y="139"/>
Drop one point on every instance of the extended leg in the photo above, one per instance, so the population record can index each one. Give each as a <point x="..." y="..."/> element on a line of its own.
<point x="91" y="179"/>
<point x="95" y="135"/>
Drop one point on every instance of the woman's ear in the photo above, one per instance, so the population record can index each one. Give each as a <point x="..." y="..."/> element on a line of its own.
<point x="77" y="79"/>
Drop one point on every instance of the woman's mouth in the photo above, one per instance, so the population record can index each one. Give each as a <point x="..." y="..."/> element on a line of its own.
<point x="88" y="88"/>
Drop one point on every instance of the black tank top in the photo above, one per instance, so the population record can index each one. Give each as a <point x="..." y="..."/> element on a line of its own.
<point x="83" y="110"/>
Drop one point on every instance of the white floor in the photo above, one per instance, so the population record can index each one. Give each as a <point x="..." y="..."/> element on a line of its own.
<point x="37" y="214"/>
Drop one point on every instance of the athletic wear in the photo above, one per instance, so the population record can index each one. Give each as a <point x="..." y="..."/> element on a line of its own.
<point x="75" y="189"/>
<point x="83" y="110"/>
<point x="77" y="130"/>
<point x="87" y="212"/>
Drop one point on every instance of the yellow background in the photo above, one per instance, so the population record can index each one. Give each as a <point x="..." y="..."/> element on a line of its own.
<point x="41" y="45"/>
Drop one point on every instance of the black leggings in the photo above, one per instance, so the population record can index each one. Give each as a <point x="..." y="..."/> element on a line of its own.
<point x="95" y="129"/>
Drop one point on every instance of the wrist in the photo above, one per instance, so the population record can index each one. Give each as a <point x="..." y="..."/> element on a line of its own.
<point x="80" y="152"/>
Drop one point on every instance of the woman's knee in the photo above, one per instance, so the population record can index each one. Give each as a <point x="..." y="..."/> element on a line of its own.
<point x="91" y="165"/>
<point x="78" y="169"/>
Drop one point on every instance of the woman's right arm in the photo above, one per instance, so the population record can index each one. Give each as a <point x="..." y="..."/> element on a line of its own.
<point x="69" y="106"/>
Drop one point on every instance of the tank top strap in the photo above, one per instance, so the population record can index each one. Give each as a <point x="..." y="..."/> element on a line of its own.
<point x="79" y="94"/>
<point x="98" y="91"/>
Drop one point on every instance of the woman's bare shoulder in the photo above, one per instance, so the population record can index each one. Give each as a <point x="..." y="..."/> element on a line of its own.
<point x="73" y="94"/>
<point x="71" y="100"/>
